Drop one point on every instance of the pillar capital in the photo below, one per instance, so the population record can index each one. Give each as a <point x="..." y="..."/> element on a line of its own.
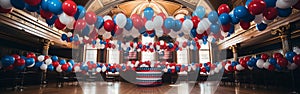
<point x="284" y="32"/>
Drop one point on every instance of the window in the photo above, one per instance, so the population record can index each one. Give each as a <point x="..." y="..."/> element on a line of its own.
<point x="90" y="53"/>
<point x="182" y="56"/>
<point x="114" y="55"/>
<point x="204" y="53"/>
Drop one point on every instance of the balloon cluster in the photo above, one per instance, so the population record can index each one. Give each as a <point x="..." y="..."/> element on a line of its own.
<point x="67" y="37"/>
<point x="277" y="62"/>
<point x="42" y="62"/>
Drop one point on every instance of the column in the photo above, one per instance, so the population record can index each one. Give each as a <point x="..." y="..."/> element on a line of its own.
<point x="234" y="49"/>
<point x="284" y="32"/>
<point x="46" y="44"/>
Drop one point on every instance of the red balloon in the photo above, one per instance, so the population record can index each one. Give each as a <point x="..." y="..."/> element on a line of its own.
<point x="65" y="67"/>
<point x="226" y="27"/>
<point x="19" y="62"/>
<point x="46" y="14"/>
<point x="69" y="7"/>
<point x="118" y="30"/>
<point x="10" y="67"/>
<point x="270" y="13"/>
<point x="16" y="56"/>
<point x="297" y="5"/>
<point x="277" y="55"/>
<point x="3" y="10"/>
<point x="282" y="62"/>
<point x="257" y="7"/>
<point x="245" y="25"/>
<point x="90" y="18"/>
<point x="181" y="20"/>
<point x="55" y="63"/>
<point x="31" y="55"/>
<point x="264" y="57"/>
<point x="79" y="24"/>
<point x="230" y="68"/>
<point x="47" y="57"/>
<point x="195" y="20"/>
<point x="59" y="25"/>
<point x="241" y="59"/>
<point x="199" y="36"/>
<point x="109" y="25"/>
<point x="149" y="31"/>
<point x="224" y="8"/>
<point x="32" y="2"/>
<point x="137" y="21"/>
<point x="203" y="70"/>
<point x="247" y="58"/>
<point x="271" y="67"/>
<point x="296" y="60"/>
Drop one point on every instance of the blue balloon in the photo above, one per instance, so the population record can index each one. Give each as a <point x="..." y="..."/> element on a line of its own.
<point x="278" y="67"/>
<point x="18" y="4"/>
<point x="50" y="67"/>
<point x="241" y="12"/>
<point x="129" y="24"/>
<point x="152" y="35"/>
<point x="23" y="57"/>
<point x="38" y="64"/>
<point x="72" y="62"/>
<point x="69" y="69"/>
<point x="188" y="43"/>
<point x="249" y="18"/>
<point x="51" y="21"/>
<point x="290" y="55"/>
<point x="55" y="6"/>
<point x="234" y="63"/>
<point x="84" y="68"/>
<point x="234" y="19"/>
<point x="7" y="60"/>
<point x="193" y="33"/>
<point x="261" y="26"/>
<point x="231" y="30"/>
<point x="213" y="17"/>
<point x="54" y="58"/>
<point x="61" y="62"/>
<point x="80" y="13"/>
<point x="200" y="12"/>
<point x="169" y="23"/>
<point x="253" y="60"/>
<point x="270" y="3"/>
<point x="143" y="30"/>
<point x="204" y="38"/>
<point x="272" y="61"/>
<point x="29" y="61"/>
<point x="250" y="64"/>
<point x="248" y="2"/>
<point x="128" y="49"/>
<point x="86" y="31"/>
<point x="224" y="18"/>
<point x="145" y="34"/>
<point x="64" y="37"/>
<point x="207" y="69"/>
<point x="99" y="22"/>
<point x="215" y="28"/>
<point x="94" y="42"/>
<point x="44" y="5"/>
<point x="32" y="8"/>
<point x="284" y="12"/>
<point x="193" y="43"/>
<point x="70" y="39"/>
<point x="177" y="25"/>
<point x="148" y="13"/>
<point x="171" y="45"/>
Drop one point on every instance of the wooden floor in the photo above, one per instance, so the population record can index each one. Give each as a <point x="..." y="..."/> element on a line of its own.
<point x="128" y="88"/>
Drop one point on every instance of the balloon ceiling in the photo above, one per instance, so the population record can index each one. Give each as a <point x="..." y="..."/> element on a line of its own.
<point x="218" y="24"/>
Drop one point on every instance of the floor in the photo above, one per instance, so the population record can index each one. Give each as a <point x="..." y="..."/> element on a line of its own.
<point x="128" y="88"/>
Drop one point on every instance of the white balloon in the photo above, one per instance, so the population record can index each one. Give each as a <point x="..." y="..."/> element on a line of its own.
<point x="292" y="66"/>
<point x="41" y="58"/>
<point x="71" y="25"/>
<point x="135" y="32"/>
<point x="104" y="69"/>
<point x="260" y="63"/>
<point x="226" y="67"/>
<point x="48" y="61"/>
<point x="98" y="69"/>
<point x="250" y="68"/>
<point x="217" y="70"/>
<point x="189" y="68"/>
<point x="121" y="20"/>
<point x="5" y="4"/>
<point x="66" y="19"/>
<point x="165" y="70"/>
<point x="266" y="65"/>
<point x="239" y="67"/>
<point x="58" y="68"/>
<point x="211" y="72"/>
<point x="107" y="17"/>
<point x="258" y="18"/>
<point x="149" y="25"/>
<point x="101" y="31"/>
<point x="267" y="21"/>
<point x="106" y="35"/>
<point x="296" y="50"/>
<point x="206" y="23"/>
<point x="284" y="4"/>
<point x="201" y="27"/>
<point x="69" y="34"/>
<point x="77" y="69"/>
<point x="43" y="67"/>
<point x="159" y="32"/>
<point x="187" y="25"/>
<point x="173" y="34"/>
<point x="158" y="22"/>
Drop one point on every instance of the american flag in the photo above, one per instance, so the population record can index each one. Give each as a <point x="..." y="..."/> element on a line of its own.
<point x="132" y="55"/>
